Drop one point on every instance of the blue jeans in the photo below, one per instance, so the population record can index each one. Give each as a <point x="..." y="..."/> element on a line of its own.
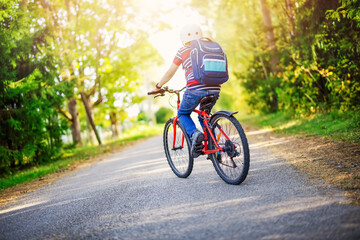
<point x="190" y="101"/>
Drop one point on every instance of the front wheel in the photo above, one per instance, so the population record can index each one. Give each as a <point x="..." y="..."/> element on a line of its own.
<point x="232" y="165"/>
<point x="177" y="147"/>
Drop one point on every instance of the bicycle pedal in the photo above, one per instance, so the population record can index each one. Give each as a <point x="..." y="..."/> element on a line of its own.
<point x="218" y="158"/>
<point x="199" y="146"/>
<point x="198" y="151"/>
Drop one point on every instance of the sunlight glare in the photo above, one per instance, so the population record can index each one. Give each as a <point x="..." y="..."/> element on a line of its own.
<point x="175" y="14"/>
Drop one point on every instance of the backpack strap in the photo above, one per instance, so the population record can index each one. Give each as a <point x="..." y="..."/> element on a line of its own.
<point x="203" y="38"/>
<point x="191" y="49"/>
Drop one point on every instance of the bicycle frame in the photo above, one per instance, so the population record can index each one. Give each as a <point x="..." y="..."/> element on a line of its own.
<point x="206" y="129"/>
<point x="223" y="149"/>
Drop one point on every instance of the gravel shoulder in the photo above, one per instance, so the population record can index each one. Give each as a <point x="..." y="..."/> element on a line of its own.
<point x="334" y="162"/>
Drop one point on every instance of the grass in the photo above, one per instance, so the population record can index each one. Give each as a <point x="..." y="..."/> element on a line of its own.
<point x="335" y="125"/>
<point x="71" y="156"/>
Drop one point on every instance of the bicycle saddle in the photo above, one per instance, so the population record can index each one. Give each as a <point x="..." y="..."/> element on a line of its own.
<point x="207" y="102"/>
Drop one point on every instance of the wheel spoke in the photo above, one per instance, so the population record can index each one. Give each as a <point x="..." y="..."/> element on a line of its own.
<point x="178" y="157"/>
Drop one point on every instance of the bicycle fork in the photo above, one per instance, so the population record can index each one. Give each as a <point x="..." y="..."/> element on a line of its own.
<point x="174" y="139"/>
<point x="174" y="124"/>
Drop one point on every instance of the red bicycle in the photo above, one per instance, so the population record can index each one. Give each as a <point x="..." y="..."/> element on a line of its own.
<point x="225" y="142"/>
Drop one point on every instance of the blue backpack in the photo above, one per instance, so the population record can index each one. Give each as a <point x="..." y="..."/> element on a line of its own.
<point x="209" y="62"/>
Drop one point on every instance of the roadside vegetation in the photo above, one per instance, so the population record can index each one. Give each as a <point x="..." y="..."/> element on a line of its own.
<point x="336" y="125"/>
<point x="76" y="155"/>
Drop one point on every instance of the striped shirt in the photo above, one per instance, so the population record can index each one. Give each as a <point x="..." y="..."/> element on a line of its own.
<point x="183" y="57"/>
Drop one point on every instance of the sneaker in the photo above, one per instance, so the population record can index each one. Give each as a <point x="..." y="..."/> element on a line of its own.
<point x="196" y="146"/>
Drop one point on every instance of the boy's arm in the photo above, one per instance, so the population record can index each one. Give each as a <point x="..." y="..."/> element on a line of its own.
<point x="167" y="76"/>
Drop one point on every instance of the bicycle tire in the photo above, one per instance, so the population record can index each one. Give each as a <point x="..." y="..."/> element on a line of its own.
<point x="233" y="164"/>
<point x="179" y="158"/>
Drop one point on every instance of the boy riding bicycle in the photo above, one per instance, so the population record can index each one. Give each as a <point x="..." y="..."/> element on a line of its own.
<point x="194" y="89"/>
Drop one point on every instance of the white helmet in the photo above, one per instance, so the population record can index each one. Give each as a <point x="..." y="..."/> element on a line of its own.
<point x="190" y="32"/>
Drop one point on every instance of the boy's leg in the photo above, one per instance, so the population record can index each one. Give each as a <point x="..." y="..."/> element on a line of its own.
<point x="188" y="104"/>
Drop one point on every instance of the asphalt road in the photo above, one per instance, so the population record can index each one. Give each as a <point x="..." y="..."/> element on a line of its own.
<point x="134" y="195"/>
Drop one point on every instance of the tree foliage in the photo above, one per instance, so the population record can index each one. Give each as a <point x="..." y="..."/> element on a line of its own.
<point x="30" y="129"/>
<point x="316" y="48"/>
<point x="53" y="52"/>
<point x="58" y="56"/>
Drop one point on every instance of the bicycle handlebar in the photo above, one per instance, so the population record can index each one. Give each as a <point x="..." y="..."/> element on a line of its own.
<point x="162" y="91"/>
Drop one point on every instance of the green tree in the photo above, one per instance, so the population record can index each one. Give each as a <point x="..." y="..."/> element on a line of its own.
<point x="301" y="58"/>
<point x="102" y="52"/>
<point x="30" y="130"/>
<point x="65" y="51"/>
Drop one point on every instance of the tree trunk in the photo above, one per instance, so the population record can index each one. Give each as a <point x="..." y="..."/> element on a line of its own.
<point x="90" y="133"/>
<point x="270" y="36"/>
<point x="114" y="130"/>
<point x="274" y="57"/>
<point x="75" y="123"/>
<point x="89" y="115"/>
<point x="289" y="8"/>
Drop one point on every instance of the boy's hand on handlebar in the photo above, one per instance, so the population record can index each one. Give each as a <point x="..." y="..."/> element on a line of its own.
<point x="155" y="91"/>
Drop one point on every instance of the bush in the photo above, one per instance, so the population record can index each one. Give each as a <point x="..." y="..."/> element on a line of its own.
<point x="163" y="114"/>
<point x="142" y="117"/>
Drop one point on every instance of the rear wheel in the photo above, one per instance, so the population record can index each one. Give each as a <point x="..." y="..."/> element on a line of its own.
<point x="179" y="154"/>
<point x="232" y="164"/>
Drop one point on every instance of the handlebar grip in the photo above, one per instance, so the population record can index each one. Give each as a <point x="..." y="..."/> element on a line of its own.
<point x="160" y="91"/>
<point x="152" y="93"/>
